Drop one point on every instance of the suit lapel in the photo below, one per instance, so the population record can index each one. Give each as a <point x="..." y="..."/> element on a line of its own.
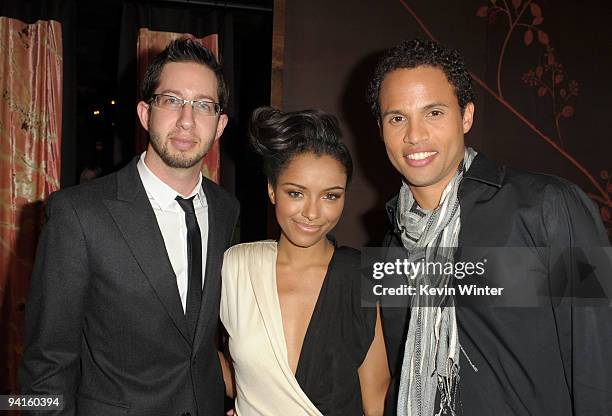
<point x="136" y="220"/>
<point x="217" y="241"/>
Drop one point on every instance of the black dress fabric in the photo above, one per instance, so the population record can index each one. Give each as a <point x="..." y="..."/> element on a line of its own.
<point x="337" y="339"/>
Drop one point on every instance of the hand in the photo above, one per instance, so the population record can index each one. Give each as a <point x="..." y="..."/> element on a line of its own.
<point x="231" y="412"/>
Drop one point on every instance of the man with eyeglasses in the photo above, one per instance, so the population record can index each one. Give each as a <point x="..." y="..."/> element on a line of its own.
<point x="123" y="308"/>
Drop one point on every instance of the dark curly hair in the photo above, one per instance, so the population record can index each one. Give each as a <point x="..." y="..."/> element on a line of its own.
<point x="419" y="52"/>
<point x="278" y="137"/>
<point x="184" y="50"/>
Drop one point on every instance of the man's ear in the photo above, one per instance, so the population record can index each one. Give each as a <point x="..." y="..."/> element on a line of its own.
<point x="271" y="193"/>
<point x="221" y="124"/>
<point x="143" y="114"/>
<point x="468" y="117"/>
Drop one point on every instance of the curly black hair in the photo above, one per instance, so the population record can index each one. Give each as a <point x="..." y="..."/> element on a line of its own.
<point x="413" y="53"/>
<point x="280" y="136"/>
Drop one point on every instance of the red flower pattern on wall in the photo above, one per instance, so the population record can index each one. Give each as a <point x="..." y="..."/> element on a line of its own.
<point x="548" y="78"/>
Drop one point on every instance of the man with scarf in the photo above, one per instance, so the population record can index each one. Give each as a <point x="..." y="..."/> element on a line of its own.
<point x="549" y="358"/>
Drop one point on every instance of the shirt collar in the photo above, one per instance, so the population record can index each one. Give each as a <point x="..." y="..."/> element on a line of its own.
<point x="160" y="192"/>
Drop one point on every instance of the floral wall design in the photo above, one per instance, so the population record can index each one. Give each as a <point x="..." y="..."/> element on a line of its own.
<point x="523" y="21"/>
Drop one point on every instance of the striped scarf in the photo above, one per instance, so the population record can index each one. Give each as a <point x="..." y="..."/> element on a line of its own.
<point x="431" y="354"/>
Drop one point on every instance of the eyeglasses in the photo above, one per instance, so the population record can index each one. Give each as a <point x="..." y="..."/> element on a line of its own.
<point x="172" y="103"/>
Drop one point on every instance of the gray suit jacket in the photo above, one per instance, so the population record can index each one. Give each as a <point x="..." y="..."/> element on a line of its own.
<point x="104" y="321"/>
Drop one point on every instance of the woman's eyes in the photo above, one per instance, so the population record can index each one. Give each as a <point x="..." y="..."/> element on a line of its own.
<point x="328" y="196"/>
<point x="331" y="196"/>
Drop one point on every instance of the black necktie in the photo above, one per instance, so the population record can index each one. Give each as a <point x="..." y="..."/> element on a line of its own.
<point x="194" y="265"/>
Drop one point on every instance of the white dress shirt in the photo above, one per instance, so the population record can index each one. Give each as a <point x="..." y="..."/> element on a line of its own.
<point x="171" y="220"/>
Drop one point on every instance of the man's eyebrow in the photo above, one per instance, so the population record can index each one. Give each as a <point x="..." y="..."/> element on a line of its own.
<point x="386" y="113"/>
<point x="432" y="105"/>
<point x="205" y="97"/>
<point x="178" y="95"/>
<point x="424" y="108"/>
<point x="170" y="92"/>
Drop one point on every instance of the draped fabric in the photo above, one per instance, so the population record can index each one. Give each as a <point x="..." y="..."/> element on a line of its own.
<point x="150" y="43"/>
<point x="250" y="312"/>
<point x="336" y="342"/>
<point x="30" y="130"/>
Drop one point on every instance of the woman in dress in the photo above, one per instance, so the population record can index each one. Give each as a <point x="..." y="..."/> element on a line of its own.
<point x="300" y="341"/>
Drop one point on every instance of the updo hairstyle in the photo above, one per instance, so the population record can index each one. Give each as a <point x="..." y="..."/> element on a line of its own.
<point x="278" y="137"/>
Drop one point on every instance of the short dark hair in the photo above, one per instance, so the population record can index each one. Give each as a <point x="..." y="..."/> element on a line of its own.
<point x="184" y="50"/>
<point x="414" y="53"/>
<point x="278" y="137"/>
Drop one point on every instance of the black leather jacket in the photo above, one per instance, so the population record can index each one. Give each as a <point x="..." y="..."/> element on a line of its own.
<point x="545" y="360"/>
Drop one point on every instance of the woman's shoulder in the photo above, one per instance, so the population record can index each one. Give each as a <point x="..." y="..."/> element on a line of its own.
<point x="242" y="260"/>
<point x="254" y="248"/>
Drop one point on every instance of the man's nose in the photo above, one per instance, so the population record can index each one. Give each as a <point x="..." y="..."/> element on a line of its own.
<point x="186" y="117"/>
<point x="415" y="132"/>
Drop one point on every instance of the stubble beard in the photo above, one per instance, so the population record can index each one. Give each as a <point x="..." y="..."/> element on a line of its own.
<point x="178" y="160"/>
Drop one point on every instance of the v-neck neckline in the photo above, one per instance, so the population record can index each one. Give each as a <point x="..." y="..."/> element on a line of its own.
<point x="313" y="317"/>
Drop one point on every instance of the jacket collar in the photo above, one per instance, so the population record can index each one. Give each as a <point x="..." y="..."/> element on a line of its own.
<point x="482" y="170"/>
<point x="486" y="171"/>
